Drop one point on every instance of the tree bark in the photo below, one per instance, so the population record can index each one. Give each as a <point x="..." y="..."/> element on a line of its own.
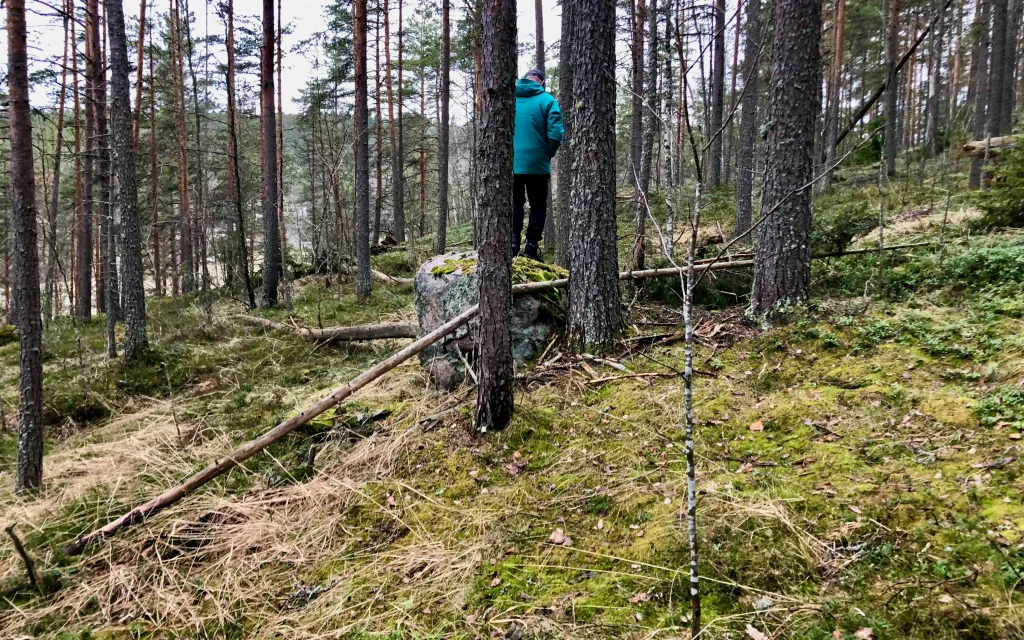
<point x="85" y="223"/>
<point x="136" y="341"/>
<point x="997" y="70"/>
<point x="136" y="125"/>
<point x="749" y="119"/>
<point x="714" y="168"/>
<point x="383" y="331"/>
<point x="364" y="285"/>
<point x="1015" y="17"/>
<point x="564" y="163"/>
<point x="29" y="473"/>
<point x="639" y="18"/>
<point x="729" y="150"/>
<point x="51" y="253"/>
<point x="285" y="282"/>
<point x="891" y="96"/>
<point x="550" y="222"/>
<point x="934" y="103"/>
<point x="271" y="231"/>
<point x="981" y="93"/>
<point x="835" y="76"/>
<point x="183" y="270"/>
<point x="109" y="291"/>
<point x="495" y="373"/>
<point x="379" y="151"/>
<point x="399" y="151"/>
<point x="442" y="130"/>
<point x="595" y="312"/>
<point x="650" y="125"/>
<point x="233" y="159"/>
<point x="159" y="274"/>
<point x="783" y="272"/>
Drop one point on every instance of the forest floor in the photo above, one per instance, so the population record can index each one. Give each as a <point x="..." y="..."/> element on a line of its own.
<point x="858" y="468"/>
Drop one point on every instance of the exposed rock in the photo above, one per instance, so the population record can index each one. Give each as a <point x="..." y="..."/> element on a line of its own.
<point x="447" y="285"/>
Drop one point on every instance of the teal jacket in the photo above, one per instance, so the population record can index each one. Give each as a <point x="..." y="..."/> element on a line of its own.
<point x="538" y="129"/>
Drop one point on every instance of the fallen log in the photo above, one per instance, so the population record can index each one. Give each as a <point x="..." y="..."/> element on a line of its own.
<point x="977" y="148"/>
<point x="251" y="448"/>
<point x="247" y="450"/>
<point x="380" y="276"/>
<point x="382" y="331"/>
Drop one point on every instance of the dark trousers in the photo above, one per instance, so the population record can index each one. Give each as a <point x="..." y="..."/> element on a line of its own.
<point x="532" y="187"/>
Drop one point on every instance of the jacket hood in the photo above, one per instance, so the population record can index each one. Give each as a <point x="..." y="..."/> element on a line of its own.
<point x="528" y="88"/>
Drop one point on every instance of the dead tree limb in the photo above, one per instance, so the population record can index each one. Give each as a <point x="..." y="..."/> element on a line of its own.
<point x="29" y="566"/>
<point x="249" y="449"/>
<point x="383" y="331"/>
<point x="380" y="276"/>
<point x="977" y="148"/>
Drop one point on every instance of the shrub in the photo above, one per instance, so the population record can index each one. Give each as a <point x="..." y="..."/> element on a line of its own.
<point x="1003" y="204"/>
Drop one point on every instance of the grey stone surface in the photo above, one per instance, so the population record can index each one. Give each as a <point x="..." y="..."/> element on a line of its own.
<point x="439" y="298"/>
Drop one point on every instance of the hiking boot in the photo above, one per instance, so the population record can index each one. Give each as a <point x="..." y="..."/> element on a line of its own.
<point x="532" y="251"/>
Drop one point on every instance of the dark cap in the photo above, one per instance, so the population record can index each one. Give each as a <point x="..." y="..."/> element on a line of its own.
<point x="536" y="73"/>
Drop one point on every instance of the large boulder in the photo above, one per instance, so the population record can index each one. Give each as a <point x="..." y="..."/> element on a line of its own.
<point x="446" y="285"/>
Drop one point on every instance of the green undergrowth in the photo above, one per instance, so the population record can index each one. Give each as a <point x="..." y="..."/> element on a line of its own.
<point x="858" y="467"/>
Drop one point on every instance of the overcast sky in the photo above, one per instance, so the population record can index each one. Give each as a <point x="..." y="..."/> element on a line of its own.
<point x="305" y="18"/>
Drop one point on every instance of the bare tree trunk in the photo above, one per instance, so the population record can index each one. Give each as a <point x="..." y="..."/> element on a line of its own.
<point x="76" y="224"/>
<point x="399" y="155"/>
<point x="159" y="274"/>
<point x="566" y="64"/>
<point x="997" y="120"/>
<point x="364" y="284"/>
<point x="136" y="341"/>
<point x="783" y="271"/>
<point x="550" y="223"/>
<point x="934" y="103"/>
<point x="138" y="75"/>
<point x="271" y="231"/>
<point x="26" y="256"/>
<point x="954" y="92"/>
<point x="729" y="149"/>
<point x="85" y="239"/>
<point x="109" y="291"/>
<point x="714" y="168"/>
<point x="650" y="125"/>
<point x="892" y="95"/>
<point x="1016" y="9"/>
<point x="397" y="186"/>
<point x="233" y="160"/>
<point x="639" y="17"/>
<point x="442" y="130"/>
<point x="379" y="198"/>
<point x="595" y="312"/>
<point x="495" y="373"/>
<point x="51" y="254"/>
<point x="183" y="270"/>
<point x="981" y="91"/>
<point x="749" y="122"/>
<point x="285" y="283"/>
<point x="832" y="104"/>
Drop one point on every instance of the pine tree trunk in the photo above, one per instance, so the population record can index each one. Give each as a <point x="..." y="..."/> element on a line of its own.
<point x="495" y="373"/>
<point x="26" y="257"/>
<point x="442" y="130"/>
<point x="595" y="310"/>
<point x="271" y="231"/>
<point x="159" y="274"/>
<point x="379" y="197"/>
<point x="399" y="154"/>
<point x="650" y="125"/>
<point x="1016" y="15"/>
<point x="638" y="17"/>
<point x="714" y="168"/>
<point x="76" y="223"/>
<point x="981" y="92"/>
<point x="729" y="152"/>
<point x="233" y="159"/>
<point x="396" y="164"/>
<point x="566" y="65"/>
<point x="135" y="341"/>
<point x="285" y="283"/>
<point x="550" y="222"/>
<point x="892" y="92"/>
<point x="136" y="125"/>
<point x="51" y="251"/>
<point x="997" y="70"/>
<point x="934" y="103"/>
<point x="362" y="153"/>
<point x="834" y="87"/>
<point x="85" y="236"/>
<point x="183" y="270"/>
<point x="108" y="292"/>
<point x="955" y="72"/>
<point x="749" y="120"/>
<point x="782" y="274"/>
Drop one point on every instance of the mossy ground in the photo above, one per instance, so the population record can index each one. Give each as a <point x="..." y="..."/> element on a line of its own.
<point x="857" y="468"/>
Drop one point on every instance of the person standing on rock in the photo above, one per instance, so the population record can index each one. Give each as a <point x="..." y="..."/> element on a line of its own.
<point x="538" y="135"/>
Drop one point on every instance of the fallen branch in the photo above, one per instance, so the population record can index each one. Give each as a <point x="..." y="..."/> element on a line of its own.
<point x="380" y="276"/>
<point x="853" y="252"/>
<point x="632" y="375"/>
<point x="383" y="331"/>
<point x="29" y="566"/>
<point x="253" y="447"/>
<point x="977" y="148"/>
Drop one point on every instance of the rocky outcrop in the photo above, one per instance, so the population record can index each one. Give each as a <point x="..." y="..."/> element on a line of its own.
<point x="447" y="284"/>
